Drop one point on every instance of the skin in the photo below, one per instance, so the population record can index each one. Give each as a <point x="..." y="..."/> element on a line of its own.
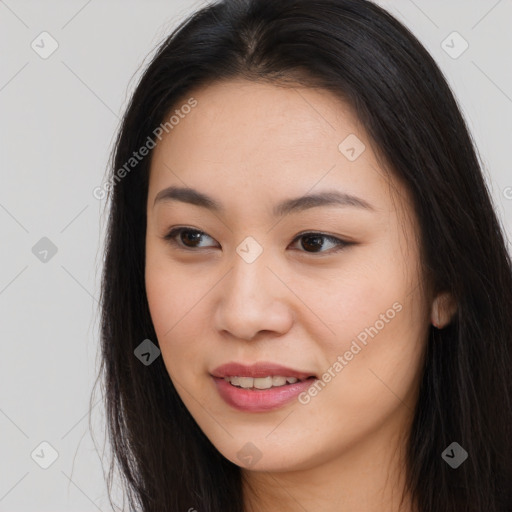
<point x="249" y="146"/>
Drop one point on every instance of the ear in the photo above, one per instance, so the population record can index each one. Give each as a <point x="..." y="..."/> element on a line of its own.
<point x="444" y="307"/>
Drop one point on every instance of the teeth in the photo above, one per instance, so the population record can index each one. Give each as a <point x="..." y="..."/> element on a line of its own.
<point x="260" y="382"/>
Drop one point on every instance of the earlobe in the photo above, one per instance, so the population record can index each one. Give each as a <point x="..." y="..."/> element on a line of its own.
<point x="443" y="309"/>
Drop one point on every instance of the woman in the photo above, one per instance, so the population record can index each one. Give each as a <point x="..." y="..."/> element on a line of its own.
<point x="306" y="295"/>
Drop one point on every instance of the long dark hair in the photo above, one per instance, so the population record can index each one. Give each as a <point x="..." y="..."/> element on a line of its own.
<point x="361" y="53"/>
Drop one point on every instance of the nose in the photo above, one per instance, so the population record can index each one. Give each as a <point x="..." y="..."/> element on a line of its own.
<point x="252" y="300"/>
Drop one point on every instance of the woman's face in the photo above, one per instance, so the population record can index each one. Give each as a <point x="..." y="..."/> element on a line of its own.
<point x="347" y="310"/>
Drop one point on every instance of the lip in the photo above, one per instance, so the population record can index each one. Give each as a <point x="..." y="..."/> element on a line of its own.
<point x="259" y="400"/>
<point x="260" y="369"/>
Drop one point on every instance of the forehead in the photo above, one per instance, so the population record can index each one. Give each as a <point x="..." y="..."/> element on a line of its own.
<point x="242" y="116"/>
<point x="254" y="140"/>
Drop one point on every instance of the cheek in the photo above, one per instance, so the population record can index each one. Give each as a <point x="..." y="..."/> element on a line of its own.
<point x="176" y="301"/>
<point x="161" y="286"/>
<point x="369" y="290"/>
<point x="377" y="314"/>
<point x="169" y="289"/>
<point x="165" y="294"/>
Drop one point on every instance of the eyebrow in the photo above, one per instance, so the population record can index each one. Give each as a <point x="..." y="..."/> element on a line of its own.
<point x="327" y="198"/>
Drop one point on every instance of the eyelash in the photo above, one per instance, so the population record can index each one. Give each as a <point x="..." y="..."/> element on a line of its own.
<point x="171" y="238"/>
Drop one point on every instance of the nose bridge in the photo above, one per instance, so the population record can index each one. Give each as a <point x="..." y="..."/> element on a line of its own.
<point x="249" y="272"/>
<point x="248" y="278"/>
<point x="251" y="298"/>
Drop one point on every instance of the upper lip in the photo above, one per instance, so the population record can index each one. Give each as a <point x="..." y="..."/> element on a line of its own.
<point x="260" y="369"/>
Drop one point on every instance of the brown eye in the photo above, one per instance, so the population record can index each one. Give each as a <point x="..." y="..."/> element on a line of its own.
<point x="190" y="238"/>
<point x="315" y="242"/>
<point x="312" y="243"/>
<point x="186" y="238"/>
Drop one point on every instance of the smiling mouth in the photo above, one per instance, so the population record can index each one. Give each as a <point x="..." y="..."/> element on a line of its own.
<point x="263" y="383"/>
<point x="258" y="394"/>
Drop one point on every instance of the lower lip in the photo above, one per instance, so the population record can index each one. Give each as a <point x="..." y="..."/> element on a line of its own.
<point x="260" y="400"/>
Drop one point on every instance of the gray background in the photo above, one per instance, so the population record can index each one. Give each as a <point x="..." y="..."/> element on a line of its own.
<point x="58" y="119"/>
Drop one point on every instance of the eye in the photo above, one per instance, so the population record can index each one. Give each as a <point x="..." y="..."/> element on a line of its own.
<point x="190" y="239"/>
<point x="185" y="238"/>
<point x="313" y="241"/>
